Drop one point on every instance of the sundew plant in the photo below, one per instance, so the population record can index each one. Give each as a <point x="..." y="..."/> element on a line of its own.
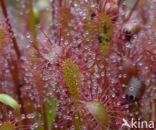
<point x="77" y="64"/>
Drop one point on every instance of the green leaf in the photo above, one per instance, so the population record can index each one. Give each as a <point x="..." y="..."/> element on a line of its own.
<point x="51" y="111"/>
<point x="71" y="74"/>
<point x="77" y="121"/>
<point x="36" y="15"/>
<point x="32" y="24"/>
<point x="105" y="32"/>
<point x="72" y="77"/>
<point x="8" y="100"/>
<point x="98" y="111"/>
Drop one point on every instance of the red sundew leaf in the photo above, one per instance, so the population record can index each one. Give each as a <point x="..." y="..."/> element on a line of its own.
<point x="66" y="17"/>
<point x="102" y="24"/>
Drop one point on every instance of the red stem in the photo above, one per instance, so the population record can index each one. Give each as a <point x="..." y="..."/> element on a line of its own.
<point x="14" y="71"/>
<point x="15" y="76"/>
<point x="12" y="36"/>
<point x="132" y="10"/>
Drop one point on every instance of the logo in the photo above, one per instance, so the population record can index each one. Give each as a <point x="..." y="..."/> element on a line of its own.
<point x="125" y="123"/>
<point x="137" y="124"/>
